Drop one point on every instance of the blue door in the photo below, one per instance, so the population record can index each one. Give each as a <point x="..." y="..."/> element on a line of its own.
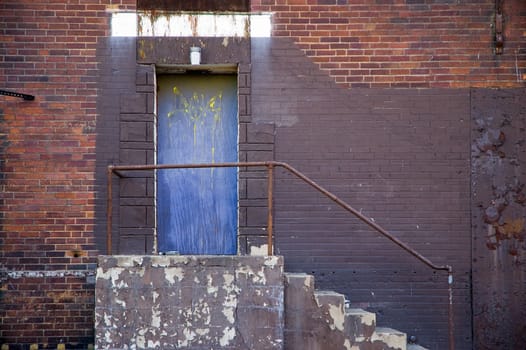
<point x="197" y="123"/>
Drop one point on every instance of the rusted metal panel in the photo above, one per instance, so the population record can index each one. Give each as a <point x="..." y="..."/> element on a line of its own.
<point x="498" y="218"/>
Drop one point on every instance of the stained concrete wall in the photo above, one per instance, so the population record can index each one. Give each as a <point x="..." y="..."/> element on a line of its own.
<point x="498" y="210"/>
<point x="189" y="302"/>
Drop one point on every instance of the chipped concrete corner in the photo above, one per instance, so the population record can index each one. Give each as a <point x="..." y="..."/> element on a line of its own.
<point x="189" y="302"/>
<point x="314" y="319"/>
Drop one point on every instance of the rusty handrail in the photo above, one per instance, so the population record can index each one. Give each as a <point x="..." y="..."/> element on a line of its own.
<point x="270" y="165"/>
<point x="117" y="169"/>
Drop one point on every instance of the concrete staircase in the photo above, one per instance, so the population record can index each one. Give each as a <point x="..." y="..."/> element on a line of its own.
<point x="319" y="320"/>
<point x="226" y="302"/>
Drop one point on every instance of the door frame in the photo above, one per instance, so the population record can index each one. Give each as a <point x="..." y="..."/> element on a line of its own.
<point x="224" y="69"/>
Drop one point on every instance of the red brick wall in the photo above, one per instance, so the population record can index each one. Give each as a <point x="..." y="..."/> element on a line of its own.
<point x="399" y="43"/>
<point x="48" y="49"/>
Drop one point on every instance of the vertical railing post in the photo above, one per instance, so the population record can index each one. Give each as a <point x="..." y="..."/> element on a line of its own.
<point x="451" y="322"/>
<point x="109" y="211"/>
<point x="270" y="192"/>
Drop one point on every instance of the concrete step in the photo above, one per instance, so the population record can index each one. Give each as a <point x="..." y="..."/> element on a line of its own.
<point x="415" y="347"/>
<point x="321" y="320"/>
<point x="360" y="324"/>
<point x="314" y="320"/>
<point x="332" y="305"/>
<point x="385" y="338"/>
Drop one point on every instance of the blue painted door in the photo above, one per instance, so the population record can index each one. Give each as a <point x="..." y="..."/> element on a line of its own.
<point x="197" y="123"/>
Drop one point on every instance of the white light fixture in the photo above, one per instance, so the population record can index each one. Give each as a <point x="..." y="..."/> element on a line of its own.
<point x="195" y="55"/>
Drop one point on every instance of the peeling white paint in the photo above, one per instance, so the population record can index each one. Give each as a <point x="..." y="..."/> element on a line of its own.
<point x="107" y="319"/>
<point x="229" y="314"/>
<point x="259" y="251"/>
<point x="113" y="275"/>
<point x="338" y="317"/>
<point x="271" y="261"/>
<point x="229" y="334"/>
<point x="257" y="277"/>
<point x="369" y="319"/>
<point x="230" y="301"/>
<point x="392" y="338"/>
<point x="156" y="313"/>
<point x="187" y="25"/>
<point x="129" y="261"/>
<point x="189" y="336"/>
<point x="110" y="274"/>
<point x="210" y="288"/>
<point x="307" y="282"/>
<point x="141" y="341"/>
<point x="153" y="344"/>
<point x="202" y="331"/>
<point x="52" y="273"/>
<point x="168" y="261"/>
<point x="228" y="279"/>
<point x="108" y="337"/>
<point x="347" y="344"/>
<point x="171" y="273"/>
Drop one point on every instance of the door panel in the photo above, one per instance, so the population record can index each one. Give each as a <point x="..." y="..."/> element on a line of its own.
<point x="197" y="123"/>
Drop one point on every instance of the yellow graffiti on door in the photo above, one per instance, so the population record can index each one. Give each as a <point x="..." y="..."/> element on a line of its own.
<point x="197" y="108"/>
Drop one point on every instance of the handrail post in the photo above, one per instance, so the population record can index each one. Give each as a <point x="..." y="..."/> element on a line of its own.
<point x="270" y="191"/>
<point x="451" y="324"/>
<point x="109" y="211"/>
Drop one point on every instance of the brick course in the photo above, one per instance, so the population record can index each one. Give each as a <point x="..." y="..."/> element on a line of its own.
<point x="422" y="43"/>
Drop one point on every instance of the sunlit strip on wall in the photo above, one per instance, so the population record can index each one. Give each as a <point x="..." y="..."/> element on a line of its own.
<point x="132" y="24"/>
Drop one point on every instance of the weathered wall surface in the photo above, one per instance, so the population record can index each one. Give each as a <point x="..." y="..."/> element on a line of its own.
<point x="398" y="156"/>
<point x="498" y="217"/>
<point x="189" y="302"/>
<point x="47" y="160"/>
<point x="417" y="43"/>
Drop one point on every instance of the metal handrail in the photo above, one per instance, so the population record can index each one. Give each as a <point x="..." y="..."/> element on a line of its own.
<point x="270" y="165"/>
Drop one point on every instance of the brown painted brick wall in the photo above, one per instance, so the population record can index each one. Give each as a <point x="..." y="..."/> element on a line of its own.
<point x="400" y="156"/>
<point x="394" y="43"/>
<point x="48" y="160"/>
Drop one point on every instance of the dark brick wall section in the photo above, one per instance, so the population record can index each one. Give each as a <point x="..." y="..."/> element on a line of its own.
<point x="117" y="81"/>
<point x="398" y="156"/>
<point x="423" y="43"/>
<point x="136" y="145"/>
<point x="498" y="216"/>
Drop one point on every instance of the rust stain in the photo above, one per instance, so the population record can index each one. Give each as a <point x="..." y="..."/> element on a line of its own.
<point x="511" y="230"/>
